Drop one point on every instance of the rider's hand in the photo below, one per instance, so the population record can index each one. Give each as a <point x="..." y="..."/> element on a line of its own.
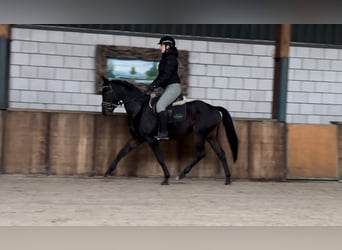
<point x="150" y="88"/>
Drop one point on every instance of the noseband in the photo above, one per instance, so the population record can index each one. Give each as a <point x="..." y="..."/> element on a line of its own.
<point x="110" y="106"/>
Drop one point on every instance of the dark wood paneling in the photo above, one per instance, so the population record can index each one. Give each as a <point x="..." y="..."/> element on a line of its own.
<point x="85" y="144"/>
<point x="25" y="143"/>
<point x="2" y="127"/>
<point x="266" y="150"/>
<point x="71" y="144"/>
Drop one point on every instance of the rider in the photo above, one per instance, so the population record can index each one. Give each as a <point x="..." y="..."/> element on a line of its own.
<point x="167" y="79"/>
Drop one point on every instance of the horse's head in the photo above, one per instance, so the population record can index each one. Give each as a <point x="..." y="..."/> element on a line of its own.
<point x="109" y="99"/>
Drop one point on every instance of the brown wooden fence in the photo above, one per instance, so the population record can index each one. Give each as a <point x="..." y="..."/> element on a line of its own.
<point x="312" y="151"/>
<point x="56" y="143"/>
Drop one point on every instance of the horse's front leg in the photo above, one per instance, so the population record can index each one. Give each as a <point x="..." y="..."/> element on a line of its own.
<point x="159" y="155"/>
<point x="130" y="145"/>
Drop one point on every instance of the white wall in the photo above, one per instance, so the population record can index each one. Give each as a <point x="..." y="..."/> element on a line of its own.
<point x="55" y="70"/>
<point x="235" y="76"/>
<point x="315" y="85"/>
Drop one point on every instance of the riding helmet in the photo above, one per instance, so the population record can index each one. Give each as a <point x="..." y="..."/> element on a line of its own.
<point x="168" y="40"/>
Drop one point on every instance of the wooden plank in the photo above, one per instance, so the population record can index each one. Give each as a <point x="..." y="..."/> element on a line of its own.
<point x="25" y="143"/>
<point x="339" y="149"/>
<point x="339" y="145"/>
<point x="71" y="144"/>
<point x="2" y="127"/>
<point x="107" y="132"/>
<point x="266" y="150"/>
<point x="85" y="144"/>
<point x="312" y="151"/>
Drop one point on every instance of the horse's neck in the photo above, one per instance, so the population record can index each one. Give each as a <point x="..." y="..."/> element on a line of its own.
<point x="126" y="92"/>
<point x="133" y="101"/>
<point x="135" y="106"/>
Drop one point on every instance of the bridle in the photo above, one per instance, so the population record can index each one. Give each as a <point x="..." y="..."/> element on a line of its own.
<point x="113" y="105"/>
<point x="110" y="105"/>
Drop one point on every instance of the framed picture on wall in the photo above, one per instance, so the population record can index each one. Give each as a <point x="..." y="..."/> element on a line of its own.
<point x="138" y="66"/>
<point x="133" y="70"/>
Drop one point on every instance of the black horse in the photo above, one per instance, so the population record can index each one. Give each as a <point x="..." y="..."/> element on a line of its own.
<point x="202" y="119"/>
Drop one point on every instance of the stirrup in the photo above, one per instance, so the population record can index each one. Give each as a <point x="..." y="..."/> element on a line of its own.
<point x="160" y="137"/>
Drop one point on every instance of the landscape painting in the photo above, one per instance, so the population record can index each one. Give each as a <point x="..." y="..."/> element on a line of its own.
<point x="132" y="70"/>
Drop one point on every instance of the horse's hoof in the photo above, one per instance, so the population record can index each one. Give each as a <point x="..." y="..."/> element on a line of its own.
<point x="108" y="173"/>
<point x="181" y="176"/>
<point x="228" y="182"/>
<point x="165" y="182"/>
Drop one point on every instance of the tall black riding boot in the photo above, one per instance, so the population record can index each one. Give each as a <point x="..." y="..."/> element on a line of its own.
<point x="163" y="133"/>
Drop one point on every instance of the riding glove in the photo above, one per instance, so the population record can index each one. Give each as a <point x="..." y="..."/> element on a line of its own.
<point x="151" y="87"/>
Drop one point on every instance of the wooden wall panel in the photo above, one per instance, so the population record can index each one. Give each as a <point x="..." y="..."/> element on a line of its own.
<point x="86" y="144"/>
<point x="266" y="150"/>
<point x="339" y="152"/>
<point x="25" y="143"/>
<point x="2" y="124"/>
<point x="71" y="144"/>
<point x="108" y="137"/>
<point x="312" y="151"/>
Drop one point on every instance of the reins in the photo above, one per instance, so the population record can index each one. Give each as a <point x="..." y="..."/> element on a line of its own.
<point x="111" y="104"/>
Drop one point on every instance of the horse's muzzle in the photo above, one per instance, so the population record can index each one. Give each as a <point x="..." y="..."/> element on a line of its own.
<point x="107" y="108"/>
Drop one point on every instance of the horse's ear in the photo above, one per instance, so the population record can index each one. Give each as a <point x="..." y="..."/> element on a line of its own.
<point x="105" y="81"/>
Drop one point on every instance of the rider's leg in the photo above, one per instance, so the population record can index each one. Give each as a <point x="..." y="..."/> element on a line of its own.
<point x="170" y="94"/>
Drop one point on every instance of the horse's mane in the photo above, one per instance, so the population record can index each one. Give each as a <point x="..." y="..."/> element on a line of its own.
<point x="128" y="85"/>
<point x="135" y="92"/>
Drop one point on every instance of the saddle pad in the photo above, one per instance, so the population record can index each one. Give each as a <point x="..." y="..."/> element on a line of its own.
<point x="177" y="113"/>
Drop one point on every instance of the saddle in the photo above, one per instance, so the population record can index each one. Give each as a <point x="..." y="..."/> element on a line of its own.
<point x="176" y="110"/>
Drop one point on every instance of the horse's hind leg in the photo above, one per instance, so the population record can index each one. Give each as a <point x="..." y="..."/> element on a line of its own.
<point x="200" y="155"/>
<point x="159" y="155"/>
<point x="221" y="155"/>
<point x="130" y="145"/>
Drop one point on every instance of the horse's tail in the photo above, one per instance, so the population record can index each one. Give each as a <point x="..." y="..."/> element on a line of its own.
<point x="230" y="131"/>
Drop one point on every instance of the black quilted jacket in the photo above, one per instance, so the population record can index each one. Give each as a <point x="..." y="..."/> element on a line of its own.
<point x="168" y="69"/>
